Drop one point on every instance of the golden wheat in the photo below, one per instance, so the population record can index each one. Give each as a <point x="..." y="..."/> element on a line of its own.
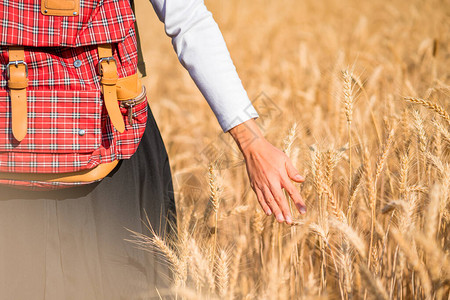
<point x="389" y="171"/>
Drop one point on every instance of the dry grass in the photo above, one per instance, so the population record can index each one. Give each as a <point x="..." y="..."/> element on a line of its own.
<point x="359" y="99"/>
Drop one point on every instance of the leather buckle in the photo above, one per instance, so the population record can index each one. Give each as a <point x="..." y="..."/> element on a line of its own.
<point x="16" y="64"/>
<point x="103" y="59"/>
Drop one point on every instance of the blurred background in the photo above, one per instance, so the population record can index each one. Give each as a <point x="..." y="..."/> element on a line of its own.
<point x="330" y="80"/>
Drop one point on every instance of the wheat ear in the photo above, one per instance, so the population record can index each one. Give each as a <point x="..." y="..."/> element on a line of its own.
<point x="222" y="272"/>
<point x="348" y="105"/>
<point x="374" y="284"/>
<point x="431" y="106"/>
<point x="214" y="189"/>
<point x="382" y="158"/>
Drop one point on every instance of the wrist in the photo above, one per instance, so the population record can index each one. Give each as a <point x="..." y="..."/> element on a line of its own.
<point x="248" y="136"/>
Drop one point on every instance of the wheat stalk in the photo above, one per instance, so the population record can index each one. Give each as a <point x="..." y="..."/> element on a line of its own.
<point x="235" y="266"/>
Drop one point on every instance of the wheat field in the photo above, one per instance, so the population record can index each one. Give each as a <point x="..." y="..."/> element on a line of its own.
<point x="357" y="94"/>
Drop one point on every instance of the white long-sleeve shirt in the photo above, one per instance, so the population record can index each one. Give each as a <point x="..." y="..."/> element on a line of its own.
<point x="201" y="49"/>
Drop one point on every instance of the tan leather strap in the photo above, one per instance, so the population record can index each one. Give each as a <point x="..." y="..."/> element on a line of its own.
<point x="108" y="72"/>
<point x="128" y="87"/>
<point x="68" y="8"/>
<point x="93" y="174"/>
<point x="17" y="84"/>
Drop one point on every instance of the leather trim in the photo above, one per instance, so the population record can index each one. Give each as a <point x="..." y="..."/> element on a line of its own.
<point x="60" y="7"/>
<point x="134" y="101"/>
<point x="17" y="84"/>
<point x="129" y="87"/>
<point x="108" y="81"/>
<point x="93" y="174"/>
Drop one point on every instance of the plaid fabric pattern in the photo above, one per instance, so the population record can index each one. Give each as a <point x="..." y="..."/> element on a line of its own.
<point x="98" y="22"/>
<point x="56" y="119"/>
<point x="54" y="67"/>
<point x="68" y="126"/>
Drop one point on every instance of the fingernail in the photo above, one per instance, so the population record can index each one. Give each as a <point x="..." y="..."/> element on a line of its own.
<point x="299" y="177"/>
<point x="288" y="220"/>
<point x="303" y="210"/>
<point x="280" y="218"/>
<point x="268" y="212"/>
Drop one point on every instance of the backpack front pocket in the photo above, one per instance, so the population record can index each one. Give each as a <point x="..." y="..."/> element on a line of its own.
<point x="63" y="130"/>
<point x="58" y="122"/>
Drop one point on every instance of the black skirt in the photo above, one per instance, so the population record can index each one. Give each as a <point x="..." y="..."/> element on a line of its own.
<point x="71" y="243"/>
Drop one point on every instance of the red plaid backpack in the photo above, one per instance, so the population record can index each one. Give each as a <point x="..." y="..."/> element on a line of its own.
<point x="71" y="103"/>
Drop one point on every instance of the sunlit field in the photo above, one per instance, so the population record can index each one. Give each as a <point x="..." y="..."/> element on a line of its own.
<point x="357" y="94"/>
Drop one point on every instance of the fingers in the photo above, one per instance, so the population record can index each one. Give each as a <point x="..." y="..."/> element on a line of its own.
<point x="262" y="202"/>
<point x="278" y="203"/>
<point x="269" y="185"/>
<point x="272" y="203"/>
<point x="295" y="195"/>
<point x="291" y="189"/>
<point x="293" y="173"/>
<point x="282" y="203"/>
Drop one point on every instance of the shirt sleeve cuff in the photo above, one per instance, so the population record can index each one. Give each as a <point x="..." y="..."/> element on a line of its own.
<point x="239" y="117"/>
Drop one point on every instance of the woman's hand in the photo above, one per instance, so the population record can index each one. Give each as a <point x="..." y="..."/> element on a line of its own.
<point x="269" y="171"/>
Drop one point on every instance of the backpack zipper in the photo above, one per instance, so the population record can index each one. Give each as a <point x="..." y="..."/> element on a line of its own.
<point x="129" y="104"/>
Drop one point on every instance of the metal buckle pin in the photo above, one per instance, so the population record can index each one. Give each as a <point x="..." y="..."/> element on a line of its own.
<point x="16" y="64"/>
<point x="107" y="59"/>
